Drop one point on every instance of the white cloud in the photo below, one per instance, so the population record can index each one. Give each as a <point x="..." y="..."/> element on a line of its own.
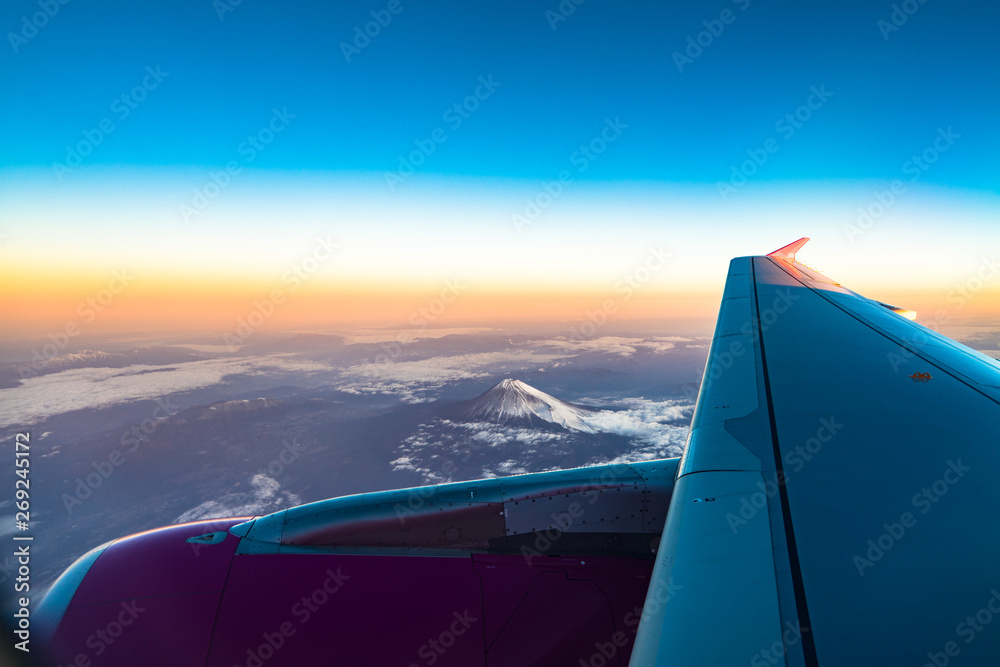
<point x="368" y="336"/>
<point x="505" y="468"/>
<point x="411" y="379"/>
<point x="657" y="346"/>
<point x="498" y="434"/>
<point x="658" y="429"/>
<point x="618" y="345"/>
<point x="264" y="497"/>
<point x="87" y="388"/>
<point x="435" y="448"/>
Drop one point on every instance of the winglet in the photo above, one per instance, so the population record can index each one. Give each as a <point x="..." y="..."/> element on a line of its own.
<point x="787" y="252"/>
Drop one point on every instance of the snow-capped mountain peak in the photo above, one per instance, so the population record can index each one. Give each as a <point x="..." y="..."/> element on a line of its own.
<point x="513" y="399"/>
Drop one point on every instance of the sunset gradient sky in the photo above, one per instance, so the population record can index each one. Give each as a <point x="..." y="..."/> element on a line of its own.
<point x="528" y="163"/>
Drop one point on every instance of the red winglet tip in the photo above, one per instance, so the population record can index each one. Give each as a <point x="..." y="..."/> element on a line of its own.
<point x="788" y="252"/>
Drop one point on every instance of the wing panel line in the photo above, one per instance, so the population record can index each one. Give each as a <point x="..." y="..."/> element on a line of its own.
<point x="808" y="645"/>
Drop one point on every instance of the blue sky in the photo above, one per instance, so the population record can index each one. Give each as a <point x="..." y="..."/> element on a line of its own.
<point x="557" y="86"/>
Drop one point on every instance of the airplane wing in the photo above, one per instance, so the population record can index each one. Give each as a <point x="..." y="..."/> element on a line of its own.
<point x="837" y="503"/>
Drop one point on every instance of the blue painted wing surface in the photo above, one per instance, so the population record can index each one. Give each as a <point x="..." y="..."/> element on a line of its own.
<point x="838" y="503"/>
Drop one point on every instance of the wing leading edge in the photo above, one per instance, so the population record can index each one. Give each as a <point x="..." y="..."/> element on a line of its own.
<point x="835" y="504"/>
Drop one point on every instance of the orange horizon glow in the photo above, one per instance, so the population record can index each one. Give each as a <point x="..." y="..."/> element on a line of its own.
<point x="346" y="258"/>
<point x="92" y="305"/>
<point x="277" y="309"/>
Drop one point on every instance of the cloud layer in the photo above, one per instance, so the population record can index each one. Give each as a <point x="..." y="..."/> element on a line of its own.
<point x="415" y="380"/>
<point x="654" y="429"/>
<point x="265" y="496"/>
<point x="89" y="388"/>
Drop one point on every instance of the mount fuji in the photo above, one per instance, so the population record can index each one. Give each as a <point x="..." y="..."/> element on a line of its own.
<point x="513" y="401"/>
